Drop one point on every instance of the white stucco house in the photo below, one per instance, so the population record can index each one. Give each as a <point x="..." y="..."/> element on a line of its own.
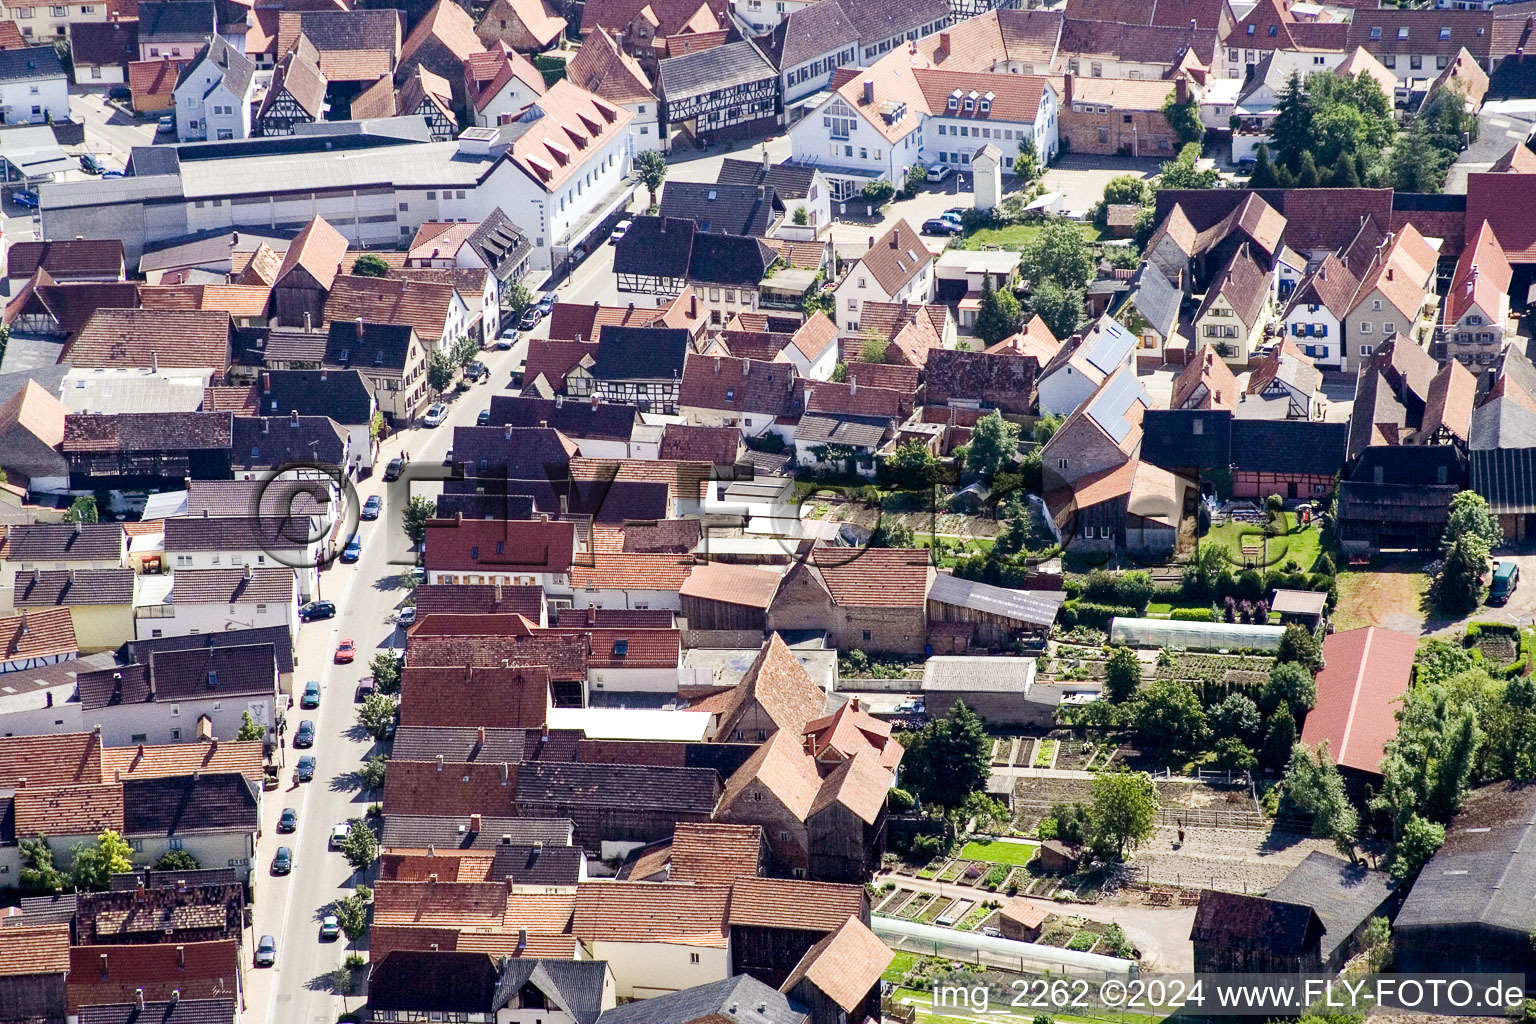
<point x="213" y="94"/>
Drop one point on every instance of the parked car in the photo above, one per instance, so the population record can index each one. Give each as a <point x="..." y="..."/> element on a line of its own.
<point x="282" y="861"/>
<point x="394" y="469"/>
<point x="113" y="174"/>
<point x="353" y="551"/>
<point x="339" y="833"/>
<point x="311" y="698"/>
<point x="547" y="303"/>
<point x="365" y="689"/>
<point x="406" y="616"/>
<point x="476" y="371"/>
<point x="330" y="928"/>
<point x="305" y="771"/>
<point x="166" y="123"/>
<point x="371" y="508"/>
<point x="1506" y="577"/>
<point x="939" y="173"/>
<point x="266" y="951"/>
<point x="288" y="821"/>
<point x="911" y="707"/>
<point x="435" y="415"/>
<point x="305" y="737"/>
<point x="345" y="652"/>
<point x="954" y="213"/>
<point x="120" y="92"/>
<point x="23" y="197"/>
<point x="940" y="226"/>
<point x="484" y="419"/>
<point x="619" y="230"/>
<point x="90" y="163"/>
<point x="508" y="338"/>
<point x="530" y="318"/>
<point x="317" y="610"/>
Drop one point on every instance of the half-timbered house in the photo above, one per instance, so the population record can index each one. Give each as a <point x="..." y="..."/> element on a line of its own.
<point x="726" y="92"/>
<point x="297" y="93"/>
<point x="640" y="366"/>
<point x="653" y="256"/>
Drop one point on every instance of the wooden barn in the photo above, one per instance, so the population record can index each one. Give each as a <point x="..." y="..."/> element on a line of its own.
<point x="308" y="270"/>
<point x="726" y="596"/>
<point x="996" y="616"/>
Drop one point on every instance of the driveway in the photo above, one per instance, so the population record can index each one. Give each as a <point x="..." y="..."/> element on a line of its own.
<point x="1500" y="125"/>
<point x="1082" y="178"/>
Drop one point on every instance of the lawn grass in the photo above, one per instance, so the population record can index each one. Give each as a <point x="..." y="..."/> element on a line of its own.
<point x="901" y="963"/>
<point x="1301" y="544"/>
<point x="1013" y="236"/>
<point x="1017" y="854"/>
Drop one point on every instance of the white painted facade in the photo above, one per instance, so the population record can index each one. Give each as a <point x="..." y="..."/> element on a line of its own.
<point x="642" y="970"/>
<point x="1317" y="332"/>
<point x="35" y="100"/>
<point x="208" y="108"/>
<point x="175" y="721"/>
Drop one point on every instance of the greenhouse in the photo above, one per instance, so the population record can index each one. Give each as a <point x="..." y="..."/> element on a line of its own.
<point x="1208" y="636"/>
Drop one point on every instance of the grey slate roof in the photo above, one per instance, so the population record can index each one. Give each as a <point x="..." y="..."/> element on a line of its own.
<point x="189" y="803"/>
<point x="1037" y="607"/>
<point x="1155" y="298"/>
<point x="807" y="33"/>
<point x="878" y="20"/>
<point x="790" y="181"/>
<point x="687" y="790"/>
<point x="655" y="247"/>
<point x="1342" y="895"/>
<point x="735" y="998"/>
<point x="175" y="19"/>
<point x="633" y="353"/>
<point x="720" y="209"/>
<point x="433" y="981"/>
<point x="1507" y="478"/>
<point x="277" y="636"/>
<point x="574" y="986"/>
<point x="343" y="395"/>
<point x="1187" y="438"/>
<point x="1485" y="873"/>
<point x="237" y="67"/>
<point x="500" y="244"/>
<point x="40" y="589"/>
<point x="62" y="542"/>
<point x="859" y="431"/>
<point x="182" y="1011"/>
<point x="381" y="345"/>
<point x="706" y="71"/>
<point x="30" y="62"/>
<point x="417" y="832"/>
<point x="459" y="745"/>
<point x="577" y="420"/>
<point x="537" y="865"/>
<point x="59" y="908"/>
<point x="728" y="260"/>
<point x="1289" y="446"/>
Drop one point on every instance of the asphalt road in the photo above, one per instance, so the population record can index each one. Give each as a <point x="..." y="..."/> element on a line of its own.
<point x="299" y="990"/>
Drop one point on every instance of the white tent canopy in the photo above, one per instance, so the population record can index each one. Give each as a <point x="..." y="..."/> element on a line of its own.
<point x="1197" y="635"/>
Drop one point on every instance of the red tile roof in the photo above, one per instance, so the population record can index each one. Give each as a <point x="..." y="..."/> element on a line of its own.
<point x="845" y="966"/>
<point x="777" y="683"/>
<point x="69" y="810"/>
<point x="687" y="915"/>
<point x="875" y="577"/>
<point x="749" y="585"/>
<point x="113" y="974"/>
<point x="425" y="787"/>
<point x="1482" y="275"/>
<point x="613" y="567"/>
<point x="715" y="853"/>
<point x="1365" y="672"/>
<point x="497" y="698"/>
<point x="34" y="950"/>
<point x="796" y="904"/>
<point x="46" y="633"/>
<point x="490" y="546"/>
<point x="63" y="760"/>
<point x="181" y="339"/>
<point x="896" y="257"/>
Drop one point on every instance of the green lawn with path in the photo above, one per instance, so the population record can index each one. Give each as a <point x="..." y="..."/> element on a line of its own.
<point x="999" y="852"/>
<point x="1300" y="543"/>
<point x="1013" y="236"/>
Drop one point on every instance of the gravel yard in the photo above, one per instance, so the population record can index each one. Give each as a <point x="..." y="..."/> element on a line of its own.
<point x="1232" y="860"/>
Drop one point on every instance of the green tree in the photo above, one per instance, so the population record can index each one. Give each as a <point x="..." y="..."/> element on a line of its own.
<point x="1236" y="717"/>
<point x="361" y="846"/>
<point x="39" y="873"/>
<point x="1306" y="172"/>
<point x="994" y="445"/>
<point x="369" y="265"/>
<point x="371" y="772"/>
<point x="385" y="669"/>
<point x="518" y="298"/>
<point x="878" y="192"/>
<point x="1026" y="165"/>
<point x="82" y="511"/>
<point x="1184" y="171"/>
<point x="1297" y="644"/>
<point x="1122" y="675"/>
<point x="1415" y="164"/>
<point x="1263" y="171"/>
<point x="1233" y="754"/>
<point x="1291" y="128"/>
<point x="250" y="729"/>
<point x="1279" y="738"/>
<point x="1344" y="175"/>
<point x="1459" y="586"/>
<point x="1469" y="514"/>
<point x="801" y="217"/>
<point x="414" y="516"/>
<point x="1183" y="118"/>
<point x="917" y="177"/>
<point x="1124" y="810"/>
<point x="874" y="347"/>
<point x="912" y="466"/>
<point x="998" y="316"/>
<point x="891" y="533"/>
<point x="1453" y="767"/>
<point x="1060" y="307"/>
<point x="652" y="168"/>
<point x="1421" y="838"/>
<point x="176" y="860"/>
<point x="949" y="758"/>
<point x="441" y="368"/>
<point x="1290" y="685"/>
<point x="1058" y="253"/>
<point x="1046" y="427"/>
<point x="377" y="714"/>
<point x="95" y="862"/>
<point x="1313" y="783"/>
<point x="1127" y="189"/>
<point x="352" y="914"/>
<point x="1170" y="715"/>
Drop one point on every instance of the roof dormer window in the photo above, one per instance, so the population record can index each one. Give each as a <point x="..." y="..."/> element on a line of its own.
<point x="1376" y="33"/>
<point x="986" y="103"/>
<point x="1445" y="33"/>
<point x="1252" y="29"/>
<point x="954" y="100"/>
<point x="1402" y="33"/>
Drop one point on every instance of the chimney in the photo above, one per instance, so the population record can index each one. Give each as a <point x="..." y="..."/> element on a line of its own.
<point x="234" y="236"/>
<point x="293" y="419"/>
<point x="154" y="362"/>
<point x="1181" y="88"/>
<point x="762" y="192"/>
<point x="869" y="91"/>
<point x="1389" y="273"/>
<point x="181" y="958"/>
<point x="480" y="736"/>
<point x="474" y="823"/>
<point x="266" y="382"/>
<point x="37" y="574"/>
<point x="871" y="241"/>
<point x="506" y="839"/>
<point x="359" y="323"/>
<point x="595" y="400"/>
<point x="522" y="939"/>
<point x="1066" y="89"/>
<point x="439" y="762"/>
<point x="103" y="966"/>
<point x="431" y="850"/>
<point x="505" y="773"/>
<point x="308" y="326"/>
<point x="943" y="42"/>
<point x="175" y="996"/>
<point x="746" y="367"/>
<point x="138" y="995"/>
<point x="853" y="387"/>
<point x="767" y="163"/>
<point x="896" y="237"/>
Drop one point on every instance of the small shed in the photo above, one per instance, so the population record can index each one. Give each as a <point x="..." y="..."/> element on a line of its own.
<point x="1303" y="607"/>
<point x="997" y="689"/>
<point x="1233" y="933"/>
<point x="1060" y="857"/>
<point x="1120" y="218"/>
<point x="1000" y="615"/>
<point x="728" y="596"/>
<point x="1022" y="920"/>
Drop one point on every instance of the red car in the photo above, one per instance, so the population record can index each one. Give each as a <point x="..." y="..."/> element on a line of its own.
<point x="345" y="652"/>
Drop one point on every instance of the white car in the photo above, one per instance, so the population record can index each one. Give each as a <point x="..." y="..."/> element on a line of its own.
<point x="939" y="172"/>
<point x="339" y="834"/>
<point x="406" y="616"/>
<point x="435" y="415"/>
<point x="508" y="338"/>
<point x="620" y="229"/>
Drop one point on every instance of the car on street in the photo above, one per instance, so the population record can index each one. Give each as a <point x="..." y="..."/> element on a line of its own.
<point x="435" y="415"/>
<point x="476" y="371"/>
<point x="113" y="174"/>
<point x="90" y="163"/>
<point x="530" y="318"/>
<point x="547" y="303"/>
<point x="940" y="226"/>
<point x="954" y="213"/>
<point x="23" y="197"/>
<point x="508" y="338"/>
<point x="339" y="833"/>
<point x="939" y="173"/>
<point x="166" y="123"/>
<point x="266" y="951"/>
<point x="371" y="508"/>
<point x="394" y="469"/>
<point x="484" y="418"/>
<point x="305" y="737"/>
<point x="345" y="652"/>
<point x="282" y="861"/>
<point x="311" y="698"/>
<point x="305" y="771"/>
<point x="353" y="551"/>
<point x="406" y="616"/>
<point x="365" y="689"/>
<point x="619" y="230"/>
<point x="330" y="928"/>
<point x="288" y="821"/>
<point x="317" y="610"/>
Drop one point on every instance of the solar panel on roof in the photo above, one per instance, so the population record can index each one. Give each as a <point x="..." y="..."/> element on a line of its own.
<point x="1109" y="408"/>
<point x="1108" y="346"/>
